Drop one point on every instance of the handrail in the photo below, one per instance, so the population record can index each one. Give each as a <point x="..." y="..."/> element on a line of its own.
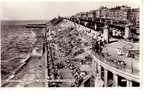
<point x="85" y="79"/>
<point x="117" y="71"/>
<point x="15" y="71"/>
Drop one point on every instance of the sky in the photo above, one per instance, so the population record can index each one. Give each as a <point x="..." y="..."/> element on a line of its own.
<point x="47" y="10"/>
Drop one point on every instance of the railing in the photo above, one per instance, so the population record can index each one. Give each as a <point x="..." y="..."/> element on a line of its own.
<point x="16" y="70"/>
<point x="116" y="72"/>
<point x="129" y="76"/>
<point x="85" y="79"/>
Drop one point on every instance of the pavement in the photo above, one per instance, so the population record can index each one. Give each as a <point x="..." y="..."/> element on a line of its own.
<point x="112" y="50"/>
<point x="34" y="70"/>
<point x="31" y="73"/>
<point x="130" y="62"/>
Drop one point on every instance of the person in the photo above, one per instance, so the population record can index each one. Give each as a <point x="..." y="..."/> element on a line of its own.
<point x="98" y="51"/>
<point x="98" y="81"/>
<point x="96" y="47"/>
<point x="40" y="66"/>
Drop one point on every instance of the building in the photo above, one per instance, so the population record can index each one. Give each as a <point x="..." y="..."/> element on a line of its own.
<point x="134" y="17"/>
<point x="92" y="14"/>
<point x="123" y="18"/>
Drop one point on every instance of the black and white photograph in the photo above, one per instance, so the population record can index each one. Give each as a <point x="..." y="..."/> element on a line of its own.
<point x="71" y="44"/>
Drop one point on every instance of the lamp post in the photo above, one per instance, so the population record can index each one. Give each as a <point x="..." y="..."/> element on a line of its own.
<point x="132" y="69"/>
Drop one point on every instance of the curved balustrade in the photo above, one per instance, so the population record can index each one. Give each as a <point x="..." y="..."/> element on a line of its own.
<point x="116" y="72"/>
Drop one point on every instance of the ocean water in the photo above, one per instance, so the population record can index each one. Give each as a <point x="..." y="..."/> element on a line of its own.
<point x="17" y="41"/>
<point x="22" y="22"/>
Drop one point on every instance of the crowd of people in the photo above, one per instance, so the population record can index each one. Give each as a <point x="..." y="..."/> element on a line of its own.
<point x="67" y="45"/>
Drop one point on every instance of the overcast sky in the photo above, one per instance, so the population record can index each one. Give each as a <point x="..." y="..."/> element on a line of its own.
<point x="48" y="10"/>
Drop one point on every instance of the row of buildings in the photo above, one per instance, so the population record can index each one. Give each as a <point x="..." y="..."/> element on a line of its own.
<point x="122" y="14"/>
